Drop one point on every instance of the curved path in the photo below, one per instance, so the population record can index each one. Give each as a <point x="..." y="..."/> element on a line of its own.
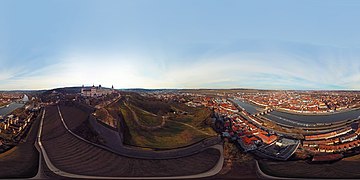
<point x="164" y="119"/>
<point x="130" y="151"/>
<point x="188" y="125"/>
<point x="68" y="155"/>
<point x="136" y="118"/>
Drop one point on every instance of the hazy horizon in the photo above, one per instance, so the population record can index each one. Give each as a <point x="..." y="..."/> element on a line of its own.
<point x="294" y="45"/>
<point x="140" y="88"/>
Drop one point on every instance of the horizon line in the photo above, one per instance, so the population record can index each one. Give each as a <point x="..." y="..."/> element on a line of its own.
<point x="139" y="88"/>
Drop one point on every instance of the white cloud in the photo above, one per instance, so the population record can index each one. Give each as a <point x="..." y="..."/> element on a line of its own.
<point x="280" y="69"/>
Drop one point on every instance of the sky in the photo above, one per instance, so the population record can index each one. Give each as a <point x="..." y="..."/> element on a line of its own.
<point x="274" y="44"/>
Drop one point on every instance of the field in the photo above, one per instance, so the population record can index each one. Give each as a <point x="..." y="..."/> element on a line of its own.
<point x="161" y="125"/>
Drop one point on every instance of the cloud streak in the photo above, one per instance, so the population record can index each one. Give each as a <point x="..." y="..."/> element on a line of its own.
<point x="182" y="44"/>
<point x="275" y="67"/>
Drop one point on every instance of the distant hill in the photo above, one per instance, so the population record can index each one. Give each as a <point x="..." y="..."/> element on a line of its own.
<point x="67" y="90"/>
<point x="22" y="91"/>
<point x="141" y="90"/>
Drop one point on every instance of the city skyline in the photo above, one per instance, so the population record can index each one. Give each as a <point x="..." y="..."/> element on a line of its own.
<point x="180" y="44"/>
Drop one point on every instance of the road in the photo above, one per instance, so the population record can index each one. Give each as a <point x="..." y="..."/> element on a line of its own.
<point x="68" y="155"/>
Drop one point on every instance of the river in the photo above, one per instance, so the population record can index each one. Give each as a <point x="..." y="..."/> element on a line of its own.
<point x="300" y="120"/>
<point x="252" y="109"/>
<point x="12" y="106"/>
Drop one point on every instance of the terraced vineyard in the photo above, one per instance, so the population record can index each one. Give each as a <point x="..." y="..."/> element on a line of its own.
<point x="301" y="169"/>
<point x="153" y="124"/>
<point x="70" y="154"/>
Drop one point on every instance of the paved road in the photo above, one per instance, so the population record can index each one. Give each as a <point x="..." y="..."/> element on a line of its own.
<point x="67" y="155"/>
<point x="40" y="172"/>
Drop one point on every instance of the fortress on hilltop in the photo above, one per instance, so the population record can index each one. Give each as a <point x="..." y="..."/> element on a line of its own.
<point x="96" y="91"/>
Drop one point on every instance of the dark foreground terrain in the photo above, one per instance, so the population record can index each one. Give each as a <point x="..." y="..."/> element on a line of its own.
<point x="73" y="155"/>
<point x="345" y="168"/>
<point x="22" y="160"/>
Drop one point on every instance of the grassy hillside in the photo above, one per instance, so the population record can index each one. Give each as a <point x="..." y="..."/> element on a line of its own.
<point x="155" y="124"/>
<point x="147" y="118"/>
<point x="149" y="104"/>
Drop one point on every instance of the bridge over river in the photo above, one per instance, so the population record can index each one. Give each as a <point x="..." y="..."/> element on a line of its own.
<point x="299" y="120"/>
<point x="6" y="110"/>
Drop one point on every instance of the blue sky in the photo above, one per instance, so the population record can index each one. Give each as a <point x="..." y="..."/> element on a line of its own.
<point x="180" y="44"/>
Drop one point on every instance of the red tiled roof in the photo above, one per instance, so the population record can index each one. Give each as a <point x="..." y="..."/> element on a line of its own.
<point x="249" y="140"/>
<point x="340" y="146"/>
<point x="357" y="131"/>
<point x="326" y="135"/>
<point x="266" y="139"/>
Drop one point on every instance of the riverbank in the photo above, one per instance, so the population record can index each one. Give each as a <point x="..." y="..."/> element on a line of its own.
<point x="4" y="105"/>
<point x="4" y="111"/>
<point x="302" y="120"/>
<point x="305" y="113"/>
<point x="310" y="113"/>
